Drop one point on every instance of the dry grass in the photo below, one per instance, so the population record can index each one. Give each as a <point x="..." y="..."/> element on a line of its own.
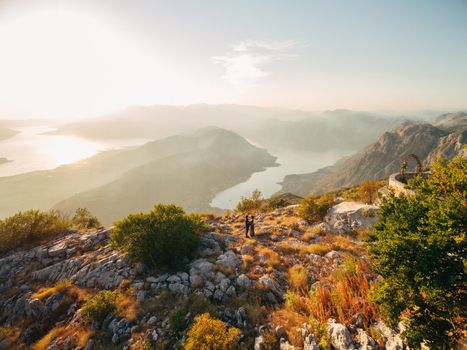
<point x="298" y="277"/>
<point x="309" y="236"/>
<point x="126" y="306"/>
<point x="290" y="320"/>
<point x="60" y="286"/>
<point x="81" y="335"/>
<point x="345" y="244"/>
<point x="349" y="295"/>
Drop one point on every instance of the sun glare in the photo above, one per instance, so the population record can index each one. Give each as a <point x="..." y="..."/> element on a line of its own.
<point x="65" y="64"/>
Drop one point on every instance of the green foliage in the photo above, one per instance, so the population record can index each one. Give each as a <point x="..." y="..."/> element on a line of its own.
<point x="164" y="237"/>
<point x="30" y="227"/>
<point x="209" y="334"/>
<point x="99" y="306"/>
<point x="251" y="204"/>
<point x="419" y="247"/>
<point x="177" y="322"/>
<point x="276" y="203"/>
<point x="84" y="219"/>
<point x="314" y="209"/>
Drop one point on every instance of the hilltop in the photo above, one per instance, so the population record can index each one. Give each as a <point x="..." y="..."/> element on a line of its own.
<point x="243" y="280"/>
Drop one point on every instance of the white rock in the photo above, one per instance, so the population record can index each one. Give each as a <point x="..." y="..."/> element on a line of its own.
<point x="340" y="335"/>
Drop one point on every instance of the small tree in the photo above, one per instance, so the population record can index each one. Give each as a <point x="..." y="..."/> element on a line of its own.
<point x="368" y="191"/>
<point x="251" y="204"/>
<point x="419" y="246"/>
<point x="313" y="209"/>
<point x="209" y="334"/>
<point x="84" y="219"/>
<point x="164" y="237"/>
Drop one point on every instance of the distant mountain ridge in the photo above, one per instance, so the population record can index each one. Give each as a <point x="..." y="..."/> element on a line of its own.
<point x="384" y="157"/>
<point x="184" y="169"/>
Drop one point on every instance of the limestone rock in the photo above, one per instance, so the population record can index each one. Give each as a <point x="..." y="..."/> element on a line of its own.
<point x="340" y="335"/>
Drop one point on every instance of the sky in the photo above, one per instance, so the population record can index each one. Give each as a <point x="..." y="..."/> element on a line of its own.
<point x="78" y="58"/>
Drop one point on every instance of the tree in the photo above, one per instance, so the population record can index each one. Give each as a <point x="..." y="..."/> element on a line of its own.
<point x="419" y="248"/>
<point x="251" y="204"/>
<point x="313" y="209"/>
<point x="368" y="191"/>
<point x="211" y="334"/>
<point x="164" y="237"/>
<point x="84" y="219"/>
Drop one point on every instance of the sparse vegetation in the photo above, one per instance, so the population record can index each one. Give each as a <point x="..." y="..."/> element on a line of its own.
<point x="60" y="286"/>
<point x="419" y="246"/>
<point x="368" y="191"/>
<point x="314" y="209"/>
<point x="251" y="204"/>
<point x="30" y="227"/>
<point x="177" y="322"/>
<point x="84" y="219"/>
<point x="99" y="306"/>
<point x="207" y="333"/>
<point x="298" y="277"/>
<point x="164" y="237"/>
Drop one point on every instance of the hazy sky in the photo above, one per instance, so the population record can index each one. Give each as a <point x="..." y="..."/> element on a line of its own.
<point x="85" y="57"/>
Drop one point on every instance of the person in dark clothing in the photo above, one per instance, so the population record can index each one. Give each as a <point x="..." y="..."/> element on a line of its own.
<point x="247" y="226"/>
<point x="252" y="226"/>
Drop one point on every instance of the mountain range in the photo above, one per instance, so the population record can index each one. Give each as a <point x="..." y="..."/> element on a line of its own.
<point x="446" y="137"/>
<point x="185" y="169"/>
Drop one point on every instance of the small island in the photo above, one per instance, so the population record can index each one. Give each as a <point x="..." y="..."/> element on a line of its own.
<point x="4" y="160"/>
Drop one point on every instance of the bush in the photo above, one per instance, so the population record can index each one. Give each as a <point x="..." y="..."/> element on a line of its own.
<point x="278" y="202"/>
<point x="314" y="209"/>
<point x="298" y="277"/>
<point x="164" y="237"/>
<point x="368" y="191"/>
<point x="177" y="322"/>
<point x="251" y="204"/>
<point x="30" y="227"/>
<point x="99" y="306"/>
<point x="209" y="334"/>
<point x="419" y="246"/>
<point x="84" y="219"/>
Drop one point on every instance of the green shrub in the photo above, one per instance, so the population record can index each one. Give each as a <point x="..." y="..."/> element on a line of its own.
<point x="177" y="322"/>
<point x="251" y="204"/>
<point x="314" y="209"/>
<point x="84" y="219"/>
<point x="209" y="334"/>
<point x="99" y="306"/>
<point x="278" y="202"/>
<point x="164" y="237"/>
<point x="30" y="227"/>
<point x="419" y="246"/>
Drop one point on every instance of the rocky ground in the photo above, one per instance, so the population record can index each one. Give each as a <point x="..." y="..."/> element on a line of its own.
<point x="242" y="280"/>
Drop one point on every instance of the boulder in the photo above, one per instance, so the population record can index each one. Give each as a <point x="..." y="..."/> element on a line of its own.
<point x="346" y="217"/>
<point x="243" y="281"/>
<point x="229" y="259"/>
<point x="36" y="309"/>
<point x="310" y="343"/>
<point x="392" y="339"/>
<point x="340" y="335"/>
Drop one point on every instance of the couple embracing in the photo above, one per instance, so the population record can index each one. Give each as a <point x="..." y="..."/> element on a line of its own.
<point x="249" y="226"/>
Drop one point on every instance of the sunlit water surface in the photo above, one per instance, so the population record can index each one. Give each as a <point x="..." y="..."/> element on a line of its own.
<point x="268" y="181"/>
<point x="31" y="150"/>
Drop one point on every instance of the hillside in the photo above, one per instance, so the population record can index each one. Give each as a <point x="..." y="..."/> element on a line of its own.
<point x="140" y="167"/>
<point x="382" y="158"/>
<point x="190" y="178"/>
<point x="3" y="160"/>
<point x="241" y="280"/>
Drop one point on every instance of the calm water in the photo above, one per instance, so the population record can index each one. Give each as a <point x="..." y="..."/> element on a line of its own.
<point x="268" y="181"/>
<point x="31" y="150"/>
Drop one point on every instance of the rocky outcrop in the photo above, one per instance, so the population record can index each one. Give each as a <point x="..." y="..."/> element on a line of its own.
<point x="347" y="217"/>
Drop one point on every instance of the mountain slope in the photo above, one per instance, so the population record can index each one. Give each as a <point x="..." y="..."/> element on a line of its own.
<point x="44" y="189"/>
<point x="190" y="179"/>
<point x="380" y="159"/>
